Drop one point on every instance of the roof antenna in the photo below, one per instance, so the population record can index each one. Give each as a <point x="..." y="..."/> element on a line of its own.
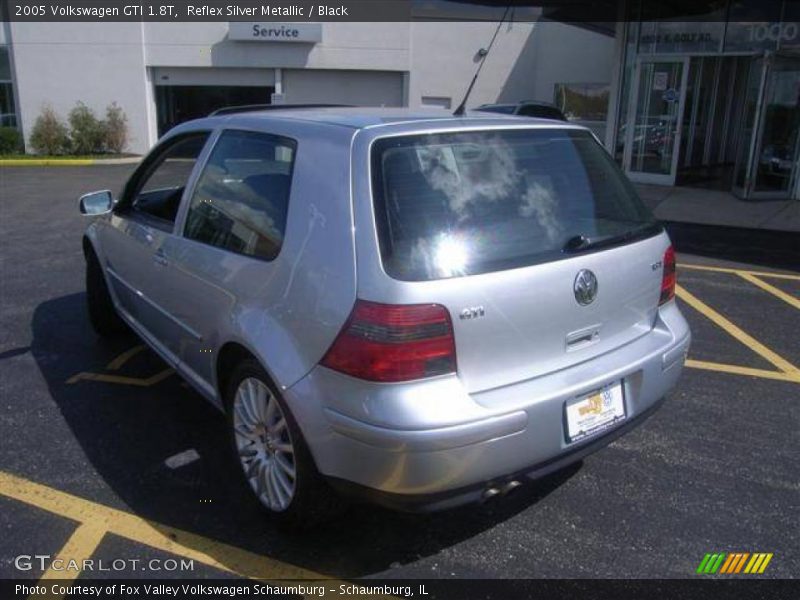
<point x="459" y="112"/>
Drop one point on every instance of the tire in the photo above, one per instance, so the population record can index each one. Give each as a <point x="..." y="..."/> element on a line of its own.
<point x="272" y="458"/>
<point x="102" y="314"/>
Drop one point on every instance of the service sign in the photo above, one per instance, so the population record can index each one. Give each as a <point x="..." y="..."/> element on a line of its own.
<point x="275" y="32"/>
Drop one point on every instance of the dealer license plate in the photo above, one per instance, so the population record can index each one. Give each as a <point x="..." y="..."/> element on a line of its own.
<point x="596" y="412"/>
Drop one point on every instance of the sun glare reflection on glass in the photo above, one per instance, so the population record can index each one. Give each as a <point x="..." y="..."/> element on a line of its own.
<point x="451" y="255"/>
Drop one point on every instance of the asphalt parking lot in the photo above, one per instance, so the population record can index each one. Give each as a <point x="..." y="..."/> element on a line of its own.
<point x="93" y="434"/>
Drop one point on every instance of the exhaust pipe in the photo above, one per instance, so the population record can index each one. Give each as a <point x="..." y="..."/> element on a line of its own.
<point x="502" y="490"/>
<point x="510" y="487"/>
<point x="490" y="493"/>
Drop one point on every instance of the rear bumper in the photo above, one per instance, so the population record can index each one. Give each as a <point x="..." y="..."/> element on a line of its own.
<point x="432" y="445"/>
<point x="476" y="492"/>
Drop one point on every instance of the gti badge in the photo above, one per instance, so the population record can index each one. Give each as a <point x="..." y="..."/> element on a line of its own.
<point x="585" y="287"/>
<point x="472" y="312"/>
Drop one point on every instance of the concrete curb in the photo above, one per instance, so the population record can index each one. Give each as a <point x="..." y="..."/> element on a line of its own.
<point x="67" y="162"/>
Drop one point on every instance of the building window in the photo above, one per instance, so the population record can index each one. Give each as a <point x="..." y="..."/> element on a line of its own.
<point x="8" y="113"/>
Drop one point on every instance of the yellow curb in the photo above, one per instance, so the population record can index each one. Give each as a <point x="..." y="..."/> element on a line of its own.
<point x="47" y="162"/>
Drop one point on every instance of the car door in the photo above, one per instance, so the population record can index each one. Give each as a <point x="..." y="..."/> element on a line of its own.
<point x="234" y="226"/>
<point x="140" y="226"/>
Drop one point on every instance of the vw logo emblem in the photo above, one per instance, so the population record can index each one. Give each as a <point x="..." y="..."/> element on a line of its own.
<point x="585" y="287"/>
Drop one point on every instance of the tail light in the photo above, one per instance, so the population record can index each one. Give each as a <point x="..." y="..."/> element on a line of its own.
<point x="668" y="278"/>
<point x="390" y="343"/>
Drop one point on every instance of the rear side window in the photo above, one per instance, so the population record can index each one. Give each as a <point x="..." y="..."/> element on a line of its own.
<point x="464" y="203"/>
<point x="242" y="197"/>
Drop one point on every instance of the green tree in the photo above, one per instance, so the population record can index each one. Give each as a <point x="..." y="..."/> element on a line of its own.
<point x="86" y="131"/>
<point x="10" y="140"/>
<point x="49" y="135"/>
<point x="115" y="129"/>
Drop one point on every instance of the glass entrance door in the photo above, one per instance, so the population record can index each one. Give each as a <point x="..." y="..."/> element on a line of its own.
<point x="767" y="165"/>
<point x="653" y="135"/>
<point x="777" y="151"/>
<point x="742" y="175"/>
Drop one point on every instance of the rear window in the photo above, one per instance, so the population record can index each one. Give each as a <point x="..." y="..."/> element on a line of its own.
<point x="465" y="203"/>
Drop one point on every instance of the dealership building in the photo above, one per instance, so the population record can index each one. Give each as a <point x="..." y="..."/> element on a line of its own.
<point x="164" y="73"/>
<point x="714" y="104"/>
<point x="711" y="103"/>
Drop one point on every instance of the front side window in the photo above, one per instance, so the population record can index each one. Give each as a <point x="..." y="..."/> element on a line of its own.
<point x="472" y="202"/>
<point x="157" y="192"/>
<point x="242" y="196"/>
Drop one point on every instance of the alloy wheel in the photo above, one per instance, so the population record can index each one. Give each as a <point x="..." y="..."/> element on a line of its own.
<point x="264" y="444"/>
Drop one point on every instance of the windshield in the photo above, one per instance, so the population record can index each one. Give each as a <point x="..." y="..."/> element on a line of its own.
<point x="454" y="204"/>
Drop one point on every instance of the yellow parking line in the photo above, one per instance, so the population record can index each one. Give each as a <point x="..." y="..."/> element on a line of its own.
<point x="788" y="298"/>
<point x="81" y="545"/>
<point x="737" y="271"/>
<point x="150" y="533"/>
<point x="749" y="341"/>
<point x="115" y="364"/>
<point x="121" y="379"/>
<point x="737" y="370"/>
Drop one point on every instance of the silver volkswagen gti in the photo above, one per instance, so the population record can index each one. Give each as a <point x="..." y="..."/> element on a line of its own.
<point x="412" y="307"/>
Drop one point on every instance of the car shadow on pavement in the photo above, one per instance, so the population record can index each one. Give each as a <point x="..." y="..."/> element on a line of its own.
<point x="128" y="432"/>
<point x="772" y="249"/>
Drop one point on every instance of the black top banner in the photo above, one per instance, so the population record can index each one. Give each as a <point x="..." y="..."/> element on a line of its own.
<point x="600" y="11"/>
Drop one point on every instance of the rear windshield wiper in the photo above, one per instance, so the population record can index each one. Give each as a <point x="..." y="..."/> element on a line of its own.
<point x="581" y="243"/>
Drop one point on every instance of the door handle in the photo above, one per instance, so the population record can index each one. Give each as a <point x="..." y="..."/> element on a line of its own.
<point x="160" y="258"/>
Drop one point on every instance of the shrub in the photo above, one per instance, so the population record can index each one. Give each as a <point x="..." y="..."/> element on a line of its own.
<point x="49" y="134"/>
<point x="10" y="140"/>
<point x="87" y="132"/>
<point x="115" y="129"/>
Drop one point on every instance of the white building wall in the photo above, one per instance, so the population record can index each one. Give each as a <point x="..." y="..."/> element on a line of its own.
<point x="373" y="46"/>
<point x="370" y="88"/>
<point x="444" y="57"/>
<point x="562" y="53"/>
<point x="96" y="63"/>
<point x="360" y="63"/>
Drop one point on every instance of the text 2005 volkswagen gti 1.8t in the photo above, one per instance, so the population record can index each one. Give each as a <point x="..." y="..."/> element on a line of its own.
<point x="412" y="307"/>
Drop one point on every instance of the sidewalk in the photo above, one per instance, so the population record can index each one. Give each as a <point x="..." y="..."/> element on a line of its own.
<point x="714" y="207"/>
<point x="67" y="162"/>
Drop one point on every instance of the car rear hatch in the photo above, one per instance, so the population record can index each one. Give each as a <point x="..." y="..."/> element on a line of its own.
<point x="531" y="238"/>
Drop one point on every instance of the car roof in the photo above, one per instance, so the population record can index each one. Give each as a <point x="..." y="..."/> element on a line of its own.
<point x="520" y="103"/>
<point x="366" y="117"/>
<point x="377" y="121"/>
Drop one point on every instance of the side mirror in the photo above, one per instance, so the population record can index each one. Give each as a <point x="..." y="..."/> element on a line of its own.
<point x="96" y="203"/>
